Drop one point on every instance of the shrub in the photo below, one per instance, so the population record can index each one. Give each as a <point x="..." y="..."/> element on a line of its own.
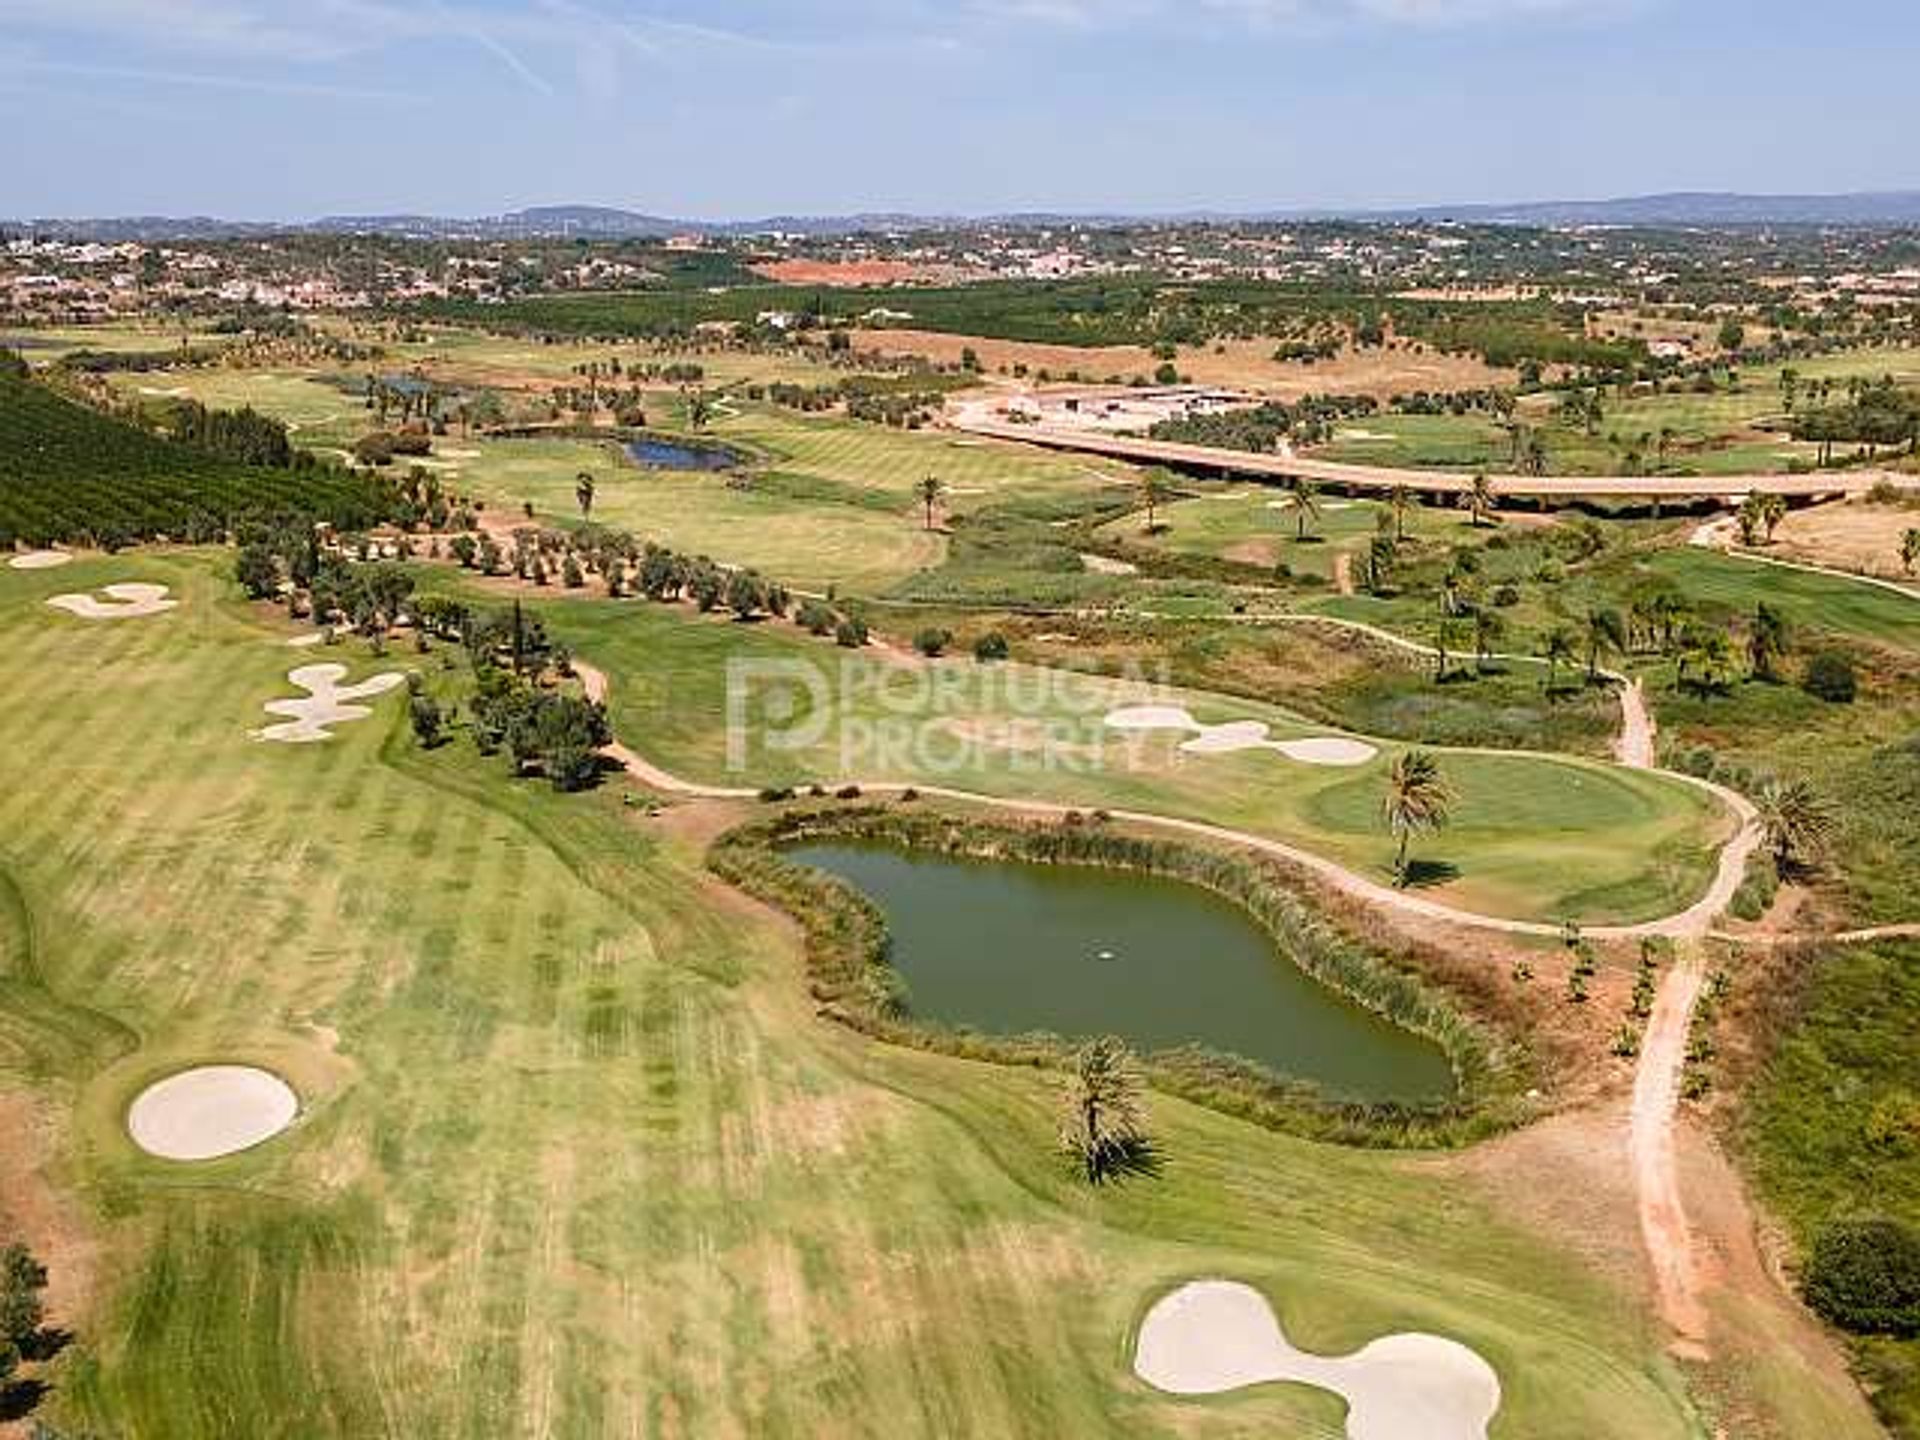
<point x="850" y="633"/>
<point x="1864" y="1276"/>
<point x="816" y="618"/>
<point x="933" y="642"/>
<point x="1830" y="677"/>
<point x="991" y="646"/>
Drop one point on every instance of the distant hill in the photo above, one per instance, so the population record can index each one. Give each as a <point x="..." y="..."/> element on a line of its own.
<point x="1686" y="208"/>
<point x="599" y="222"/>
<point x="69" y="473"/>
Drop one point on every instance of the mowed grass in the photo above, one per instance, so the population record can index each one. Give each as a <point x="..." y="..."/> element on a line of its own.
<point x="1259" y="525"/>
<point x="1708" y="434"/>
<point x="1532" y="837"/>
<point x="576" y="1156"/>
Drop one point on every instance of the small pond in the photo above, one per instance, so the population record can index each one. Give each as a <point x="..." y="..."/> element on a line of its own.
<point x="673" y="455"/>
<point x="1006" y="947"/>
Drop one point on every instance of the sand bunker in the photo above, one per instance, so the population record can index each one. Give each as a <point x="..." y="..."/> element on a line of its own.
<point x="1237" y="735"/>
<point x="126" y="602"/>
<point x="1106" y="565"/>
<point x="1215" y="1335"/>
<point x="326" y="703"/>
<point x="302" y="642"/>
<point x="211" y="1111"/>
<point x="39" y="560"/>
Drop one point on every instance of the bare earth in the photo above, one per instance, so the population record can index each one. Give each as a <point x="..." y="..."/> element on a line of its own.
<point x="1849" y="535"/>
<point x="1244" y="365"/>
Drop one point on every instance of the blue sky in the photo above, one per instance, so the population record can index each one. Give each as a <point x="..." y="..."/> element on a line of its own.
<point x="734" y="108"/>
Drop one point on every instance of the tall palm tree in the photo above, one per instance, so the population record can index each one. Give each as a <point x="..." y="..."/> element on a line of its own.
<point x="1488" y="627"/>
<point x="1104" y="1119"/>
<point x="583" y="494"/>
<point x="1797" y="821"/>
<point x="1533" y="460"/>
<point x="1418" y="799"/>
<point x="1559" y="651"/>
<point x="930" y="492"/>
<point x="1154" y="492"/>
<point x="1480" y="499"/>
<point x="1605" y="634"/>
<point x="1306" y="505"/>
<point x="1400" y="498"/>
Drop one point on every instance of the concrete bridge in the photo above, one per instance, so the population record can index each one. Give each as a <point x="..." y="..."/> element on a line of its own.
<point x="977" y="420"/>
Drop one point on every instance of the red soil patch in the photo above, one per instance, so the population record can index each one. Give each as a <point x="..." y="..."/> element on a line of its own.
<point x="837" y="272"/>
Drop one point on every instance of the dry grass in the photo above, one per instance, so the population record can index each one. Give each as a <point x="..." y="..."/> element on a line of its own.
<point x="1241" y="364"/>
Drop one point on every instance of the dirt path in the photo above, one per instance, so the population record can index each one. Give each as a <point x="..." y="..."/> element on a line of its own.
<point x="1635" y="746"/>
<point x="1650" y="1151"/>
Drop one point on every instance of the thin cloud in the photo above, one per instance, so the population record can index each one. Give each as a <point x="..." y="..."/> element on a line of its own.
<point x="258" y="84"/>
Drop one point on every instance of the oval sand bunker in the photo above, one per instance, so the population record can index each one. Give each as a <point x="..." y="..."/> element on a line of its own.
<point x="1212" y="1336"/>
<point x="39" y="560"/>
<point x="210" y="1111"/>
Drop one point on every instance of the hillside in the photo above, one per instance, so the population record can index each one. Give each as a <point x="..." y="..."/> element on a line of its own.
<point x="68" y="473"/>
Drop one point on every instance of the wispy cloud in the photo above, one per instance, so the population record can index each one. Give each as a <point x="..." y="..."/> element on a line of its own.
<point x="148" y="75"/>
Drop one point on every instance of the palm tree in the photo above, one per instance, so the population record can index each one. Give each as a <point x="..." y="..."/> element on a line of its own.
<point x="1400" y="499"/>
<point x="1559" y="651"/>
<point x="1910" y="550"/>
<point x="1773" y="510"/>
<point x="1706" y="654"/>
<point x="1480" y="500"/>
<point x="1488" y="627"/>
<point x="1306" y="505"/>
<point x="1797" y="822"/>
<point x="699" y="407"/>
<point x="1154" y="492"/>
<point x="1104" y="1119"/>
<point x="930" y="492"/>
<point x="1533" y="459"/>
<point x="583" y="494"/>
<point x="1605" y="633"/>
<point x="1418" y="798"/>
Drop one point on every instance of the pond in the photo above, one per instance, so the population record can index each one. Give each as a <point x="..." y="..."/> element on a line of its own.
<point x="1005" y="947"/>
<point x="672" y="455"/>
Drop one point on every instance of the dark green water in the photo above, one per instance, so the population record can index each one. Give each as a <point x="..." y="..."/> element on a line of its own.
<point x="1007" y="946"/>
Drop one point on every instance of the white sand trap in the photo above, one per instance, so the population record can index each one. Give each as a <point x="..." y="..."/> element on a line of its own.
<point x="1327" y="750"/>
<point x="1106" y="565"/>
<point x="39" y="560"/>
<point x="302" y="642"/>
<point x="1152" y="717"/>
<point x="211" y="1111"/>
<point x="1228" y="739"/>
<point x="1235" y="736"/>
<point x="126" y="602"/>
<point x="326" y="703"/>
<point x="1213" y="1336"/>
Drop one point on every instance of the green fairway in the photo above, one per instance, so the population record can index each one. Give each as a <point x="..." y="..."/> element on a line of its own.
<point x="575" y="1147"/>
<point x="1532" y="837"/>
<point x="1259" y="525"/>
